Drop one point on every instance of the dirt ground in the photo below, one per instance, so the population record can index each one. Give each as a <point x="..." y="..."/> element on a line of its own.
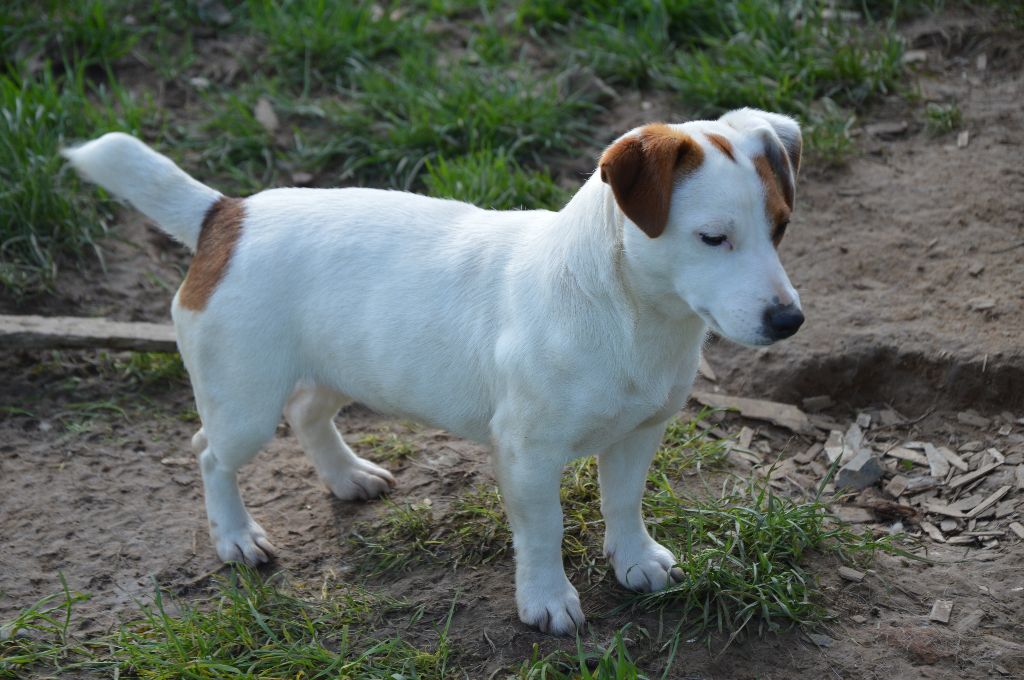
<point x="909" y="261"/>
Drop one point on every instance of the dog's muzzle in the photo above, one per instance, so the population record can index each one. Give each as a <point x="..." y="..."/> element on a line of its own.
<point x="782" y="321"/>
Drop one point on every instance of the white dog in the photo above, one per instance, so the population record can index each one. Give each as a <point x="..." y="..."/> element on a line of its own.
<point x="548" y="335"/>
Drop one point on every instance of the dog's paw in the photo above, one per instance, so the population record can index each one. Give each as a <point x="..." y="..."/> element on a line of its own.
<point x="554" y="610"/>
<point x="645" y="567"/>
<point x="362" y="481"/>
<point x="248" y="544"/>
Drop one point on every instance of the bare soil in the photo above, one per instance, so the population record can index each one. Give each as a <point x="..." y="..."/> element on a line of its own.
<point x="909" y="263"/>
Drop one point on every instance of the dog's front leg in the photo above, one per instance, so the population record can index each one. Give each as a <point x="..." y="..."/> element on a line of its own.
<point x="529" y="482"/>
<point x="640" y="562"/>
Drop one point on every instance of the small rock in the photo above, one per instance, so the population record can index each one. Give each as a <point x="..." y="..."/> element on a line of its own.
<point x="941" y="611"/>
<point x="863" y="420"/>
<point x="981" y="304"/>
<point x="948" y="525"/>
<point x="860" y="473"/>
<point x="857" y="618"/>
<point x="265" y="115"/>
<point x="963" y="139"/>
<point x="887" y="130"/>
<point x="302" y="179"/>
<point x="976" y="269"/>
<point x="851" y="574"/>
<point x="915" y="56"/>
<point x="1005" y="430"/>
<point x="819" y="639"/>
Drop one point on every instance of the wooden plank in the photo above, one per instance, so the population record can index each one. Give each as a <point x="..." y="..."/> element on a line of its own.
<point x="68" y="332"/>
<point x="957" y="482"/>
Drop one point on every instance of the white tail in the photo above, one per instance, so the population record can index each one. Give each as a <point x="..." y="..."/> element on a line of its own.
<point x="152" y="183"/>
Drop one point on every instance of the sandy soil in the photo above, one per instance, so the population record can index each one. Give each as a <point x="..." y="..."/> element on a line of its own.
<point x="909" y="264"/>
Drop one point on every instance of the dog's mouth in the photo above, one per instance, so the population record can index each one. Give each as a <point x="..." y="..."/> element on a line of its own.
<point x="760" y="340"/>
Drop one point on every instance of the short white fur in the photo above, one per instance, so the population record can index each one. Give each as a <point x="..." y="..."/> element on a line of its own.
<point x="548" y="335"/>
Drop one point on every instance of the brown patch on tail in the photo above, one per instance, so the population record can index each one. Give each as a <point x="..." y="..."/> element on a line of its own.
<point x="722" y="144"/>
<point x="221" y="229"/>
<point x="643" y="169"/>
<point x="778" y="201"/>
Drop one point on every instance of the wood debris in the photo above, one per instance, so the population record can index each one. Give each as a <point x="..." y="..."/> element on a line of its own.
<point x="39" y="332"/>
<point x="1017" y="528"/>
<point x="904" y="453"/>
<point x="989" y="502"/>
<point x="957" y="482"/>
<point x="941" y="611"/>
<point x="896" y="486"/>
<point x="783" y="415"/>
<point x="937" y="463"/>
<point x="815" y="404"/>
<point x="933" y="532"/>
<point x="953" y="459"/>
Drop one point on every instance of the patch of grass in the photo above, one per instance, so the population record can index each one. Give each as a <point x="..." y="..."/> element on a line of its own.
<point x="249" y="628"/>
<point x="38" y="634"/>
<point x="941" y="119"/>
<point x="89" y="32"/>
<point x="742" y="558"/>
<point x="609" y="663"/>
<point x="45" y="215"/>
<point x="387" y="446"/>
<point x="492" y="179"/>
<point x="152" y="368"/>
<point x="312" y="40"/>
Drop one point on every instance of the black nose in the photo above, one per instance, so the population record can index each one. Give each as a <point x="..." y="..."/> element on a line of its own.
<point x="782" y="321"/>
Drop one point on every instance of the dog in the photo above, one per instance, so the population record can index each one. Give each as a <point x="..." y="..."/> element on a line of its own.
<point x="547" y="335"/>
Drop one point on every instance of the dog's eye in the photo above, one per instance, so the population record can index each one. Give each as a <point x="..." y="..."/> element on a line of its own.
<point x="712" y="240"/>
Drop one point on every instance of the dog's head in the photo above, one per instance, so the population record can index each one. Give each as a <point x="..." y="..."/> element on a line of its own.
<point x="706" y="206"/>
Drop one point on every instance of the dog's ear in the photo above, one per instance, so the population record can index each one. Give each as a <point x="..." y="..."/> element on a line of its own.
<point x="642" y="170"/>
<point x="781" y="140"/>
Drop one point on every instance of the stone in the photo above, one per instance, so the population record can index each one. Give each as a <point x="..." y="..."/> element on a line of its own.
<point x="861" y="472"/>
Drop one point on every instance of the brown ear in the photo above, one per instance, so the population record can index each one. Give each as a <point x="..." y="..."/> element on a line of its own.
<point x="642" y="170"/>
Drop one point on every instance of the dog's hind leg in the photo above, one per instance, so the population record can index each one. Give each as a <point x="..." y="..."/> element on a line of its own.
<point x="236" y="425"/>
<point x="310" y="412"/>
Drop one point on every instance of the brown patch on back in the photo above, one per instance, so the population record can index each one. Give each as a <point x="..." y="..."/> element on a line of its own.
<point x="777" y="207"/>
<point x="722" y="144"/>
<point x="643" y="169"/>
<point x="217" y="238"/>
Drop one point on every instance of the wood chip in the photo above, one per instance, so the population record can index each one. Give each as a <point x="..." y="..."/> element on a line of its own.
<point x="920" y="484"/>
<point x="933" y="532"/>
<point x="957" y="482"/>
<point x="948" y="525"/>
<point x="853" y="515"/>
<point x="851" y="574"/>
<point x="810" y="454"/>
<point x="941" y="611"/>
<point x="953" y="459"/>
<point x="1018" y="477"/>
<point x="963" y="139"/>
<point x="864" y="420"/>
<point x="969" y="622"/>
<point x="990" y="501"/>
<point x="937" y="463"/>
<point x="783" y="415"/>
<point x="972" y="447"/>
<point x="896" y="486"/>
<point x="1005" y="430"/>
<point x="903" y="453"/>
<point x="939" y="508"/>
<point x="746" y="436"/>
<point x="996" y="455"/>
<point x="961" y="540"/>
<point x="1017" y="528"/>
